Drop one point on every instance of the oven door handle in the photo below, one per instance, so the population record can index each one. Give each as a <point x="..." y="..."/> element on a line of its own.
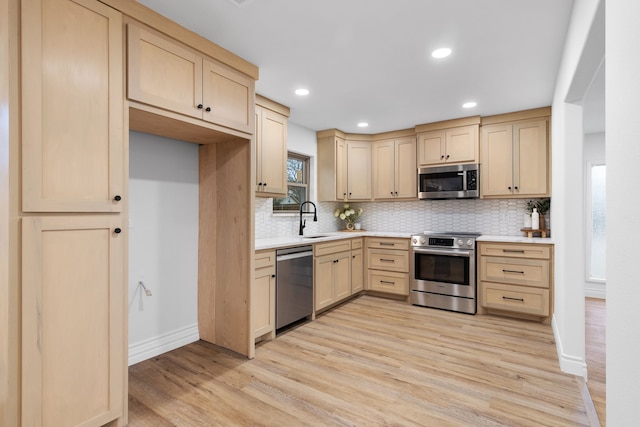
<point x="454" y="252"/>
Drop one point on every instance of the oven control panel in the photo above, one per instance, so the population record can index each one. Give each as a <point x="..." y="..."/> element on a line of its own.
<point x="443" y="241"/>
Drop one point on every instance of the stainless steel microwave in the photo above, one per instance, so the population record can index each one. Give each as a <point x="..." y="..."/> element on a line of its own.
<point x="449" y="182"/>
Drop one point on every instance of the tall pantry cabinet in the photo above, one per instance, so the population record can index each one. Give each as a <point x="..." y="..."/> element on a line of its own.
<point x="73" y="182"/>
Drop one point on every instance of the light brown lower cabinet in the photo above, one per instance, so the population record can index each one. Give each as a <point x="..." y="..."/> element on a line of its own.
<point x="516" y="279"/>
<point x="263" y="295"/>
<point x="357" y="266"/>
<point x="73" y="311"/>
<point x="388" y="265"/>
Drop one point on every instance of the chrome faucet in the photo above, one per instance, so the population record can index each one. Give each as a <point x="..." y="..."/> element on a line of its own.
<point x="303" y="223"/>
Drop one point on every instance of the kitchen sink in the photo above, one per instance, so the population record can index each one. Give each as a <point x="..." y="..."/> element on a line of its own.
<point x="315" y="237"/>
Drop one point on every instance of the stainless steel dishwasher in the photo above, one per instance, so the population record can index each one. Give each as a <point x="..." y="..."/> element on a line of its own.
<point x="294" y="284"/>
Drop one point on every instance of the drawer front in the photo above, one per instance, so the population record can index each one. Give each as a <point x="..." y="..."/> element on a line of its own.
<point x="388" y="243"/>
<point x="356" y="243"/>
<point x="515" y="250"/>
<point x="331" y="247"/>
<point x="518" y="299"/>
<point x="389" y="282"/>
<point x="264" y="259"/>
<point x="529" y="272"/>
<point x="388" y="260"/>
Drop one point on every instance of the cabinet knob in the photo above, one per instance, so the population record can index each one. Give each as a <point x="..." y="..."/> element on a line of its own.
<point x="117" y="230"/>
<point x="447" y="156"/>
<point x="264" y="183"/>
<point x="200" y="106"/>
<point x="117" y="198"/>
<point x="392" y="193"/>
<point x="273" y="275"/>
<point x="208" y="109"/>
<point x="509" y="188"/>
<point x="516" y="188"/>
<point x="442" y="157"/>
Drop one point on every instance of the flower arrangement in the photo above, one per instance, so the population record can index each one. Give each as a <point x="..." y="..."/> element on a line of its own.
<point x="542" y="205"/>
<point x="348" y="214"/>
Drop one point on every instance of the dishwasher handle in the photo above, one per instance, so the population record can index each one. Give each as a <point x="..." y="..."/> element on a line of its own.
<point x="294" y="256"/>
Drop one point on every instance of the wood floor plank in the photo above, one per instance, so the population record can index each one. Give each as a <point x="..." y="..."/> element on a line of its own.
<point x="370" y="362"/>
<point x="595" y="343"/>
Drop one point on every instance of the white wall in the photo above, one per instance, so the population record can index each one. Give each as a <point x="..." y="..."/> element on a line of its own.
<point x="623" y="221"/>
<point x="163" y="244"/>
<point x="568" y="192"/>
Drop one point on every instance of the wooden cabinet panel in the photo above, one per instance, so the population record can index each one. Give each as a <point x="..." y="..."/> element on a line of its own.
<point x="515" y="159"/>
<point x="271" y="153"/>
<point x="323" y="273"/>
<point x="359" y="170"/>
<point x="341" y="169"/>
<point x="389" y="260"/>
<point x="534" y="301"/>
<point x="357" y="271"/>
<point x="530" y="272"/>
<point x="263" y="297"/>
<point x="430" y="148"/>
<point x="388" y="243"/>
<point x="342" y="276"/>
<point x="73" y="311"/>
<point x="389" y="282"/>
<point x="406" y="176"/>
<point x="72" y="107"/>
<point x="456" y="145"/>
<point x="515" y="250"/>
<point x="331" y="247"/>
<point x="168" y="75"/>
<point x="394" y="169"/>
<point x="384" y="170"/>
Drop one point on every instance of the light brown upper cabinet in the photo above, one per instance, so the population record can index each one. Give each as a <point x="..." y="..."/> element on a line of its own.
<point x="344" y="167"/>
<point x="449" y="142"/>
<point x="394" y="169"/>
<point x="271" y="148"/>
<point x="171" y="76"/>
<point x="515" y="155"/>
<point x="72" y="107"/>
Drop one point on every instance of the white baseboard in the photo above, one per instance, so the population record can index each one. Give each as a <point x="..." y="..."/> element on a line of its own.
<point x="569" y="364"/>
<point x="155" y="346"/>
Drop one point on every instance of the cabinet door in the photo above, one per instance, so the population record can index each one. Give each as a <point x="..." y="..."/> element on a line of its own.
<point x="163" y="73"/>
<point x="406" y="175"/>
<point x="263" y="300"/>
<point x="73" y="337"/>
<point x="384" y="170"/>
<point x="228" y="97"/>
<point x="496" y="169"/>
<point x="359" y="170"/>
<point x="530" y="158"/>
<point x="431" y="148"/>
<point x="342" y="276"/>
<point x="72" y="107"/>
<point x="357" y="271"/>
<point x="273" y="151"/>
<point x="323" y="272"/>
<point x="341" y="169"/>
<point x="462" y="145"/>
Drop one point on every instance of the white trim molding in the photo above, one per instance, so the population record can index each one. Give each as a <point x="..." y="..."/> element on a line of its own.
<point x="155" y="346"/>
<point x="569" y="364"/>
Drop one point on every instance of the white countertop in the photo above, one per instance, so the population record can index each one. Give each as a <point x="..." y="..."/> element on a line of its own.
<point x="282" y="242"/>
<point x="515" y="239"/>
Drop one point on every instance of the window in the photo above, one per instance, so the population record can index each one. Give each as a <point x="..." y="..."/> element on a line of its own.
<point x="597" y="231"/>
<point x="298" y="184"/>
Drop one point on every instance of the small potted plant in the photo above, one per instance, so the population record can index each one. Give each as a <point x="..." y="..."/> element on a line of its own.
<point x="542" y="206"/>
<point x="348" y="214"/>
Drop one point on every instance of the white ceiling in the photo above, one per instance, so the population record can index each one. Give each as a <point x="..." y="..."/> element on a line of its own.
<point x="369" y="60"/>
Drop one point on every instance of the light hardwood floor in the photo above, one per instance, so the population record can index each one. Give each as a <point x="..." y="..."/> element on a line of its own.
<point x="370" y="362"/>
<point x="595" y="321"/>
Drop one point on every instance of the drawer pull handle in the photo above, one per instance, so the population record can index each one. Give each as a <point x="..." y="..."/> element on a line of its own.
<point x="387" y="260"/>
<point x="388" y="283"/>
<point x="386" y="244"/>
<point x="513" y="271"/>
<point x="515" y="251"/>
<point x="513" y="299"/>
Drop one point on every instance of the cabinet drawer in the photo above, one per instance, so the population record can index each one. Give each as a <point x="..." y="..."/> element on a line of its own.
<point x="530" y="272"/>
<point x="332" y="247"/>
<point x="389" y="260"/>
<point x="389" y="282"/>
<point x="515" y="250"/>
<point x="388" y="243"/>
<point x="519" y="299"/>
<point x="264" y="259"/>
<point x="356" y="243"/>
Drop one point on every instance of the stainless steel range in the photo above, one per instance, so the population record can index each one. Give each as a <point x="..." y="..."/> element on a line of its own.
<point x="443" y="271"/>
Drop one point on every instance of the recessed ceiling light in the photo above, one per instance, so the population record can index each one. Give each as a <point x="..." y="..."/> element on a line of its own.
<point x="469" y="104"/>
<point x="363" y="124"/>
<point x="441" y="53"/>
<point x="302" y="92"/>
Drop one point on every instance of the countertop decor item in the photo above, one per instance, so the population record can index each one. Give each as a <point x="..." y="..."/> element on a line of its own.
<point x="348" y="214"/>
<point x="542" y="206"/>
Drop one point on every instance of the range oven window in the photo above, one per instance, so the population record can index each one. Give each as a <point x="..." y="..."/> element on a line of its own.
<point x="442" y="268"/>
<point x="443" y="181"/>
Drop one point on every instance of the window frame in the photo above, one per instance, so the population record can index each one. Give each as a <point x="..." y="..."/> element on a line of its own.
<point x="305" y="182"/>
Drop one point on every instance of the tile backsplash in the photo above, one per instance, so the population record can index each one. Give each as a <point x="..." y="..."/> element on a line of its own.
<point x="495" y="217"/>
